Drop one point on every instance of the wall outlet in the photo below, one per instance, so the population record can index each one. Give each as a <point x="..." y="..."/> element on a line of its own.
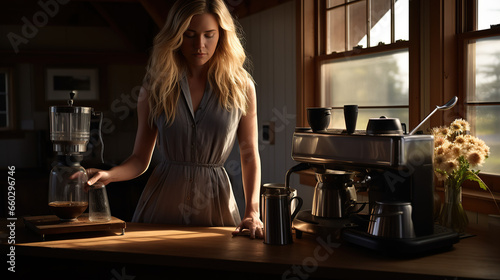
<point x="267" y="133"/>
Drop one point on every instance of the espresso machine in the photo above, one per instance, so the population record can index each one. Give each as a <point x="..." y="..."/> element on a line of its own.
<point x="69" y="133"/>
<point x="396" y="171"/>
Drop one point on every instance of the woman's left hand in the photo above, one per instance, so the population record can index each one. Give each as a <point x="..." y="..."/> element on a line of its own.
<point x="253" y="224"/>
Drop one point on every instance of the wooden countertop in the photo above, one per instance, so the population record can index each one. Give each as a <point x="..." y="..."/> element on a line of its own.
<point x="165" y="249"/>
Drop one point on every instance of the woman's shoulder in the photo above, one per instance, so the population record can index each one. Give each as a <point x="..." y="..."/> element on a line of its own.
<point x="250" y="87"/>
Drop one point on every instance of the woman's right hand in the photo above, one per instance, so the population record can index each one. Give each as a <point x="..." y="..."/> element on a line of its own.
<point x="98" y="175"/>
<point x="138" y="162"/>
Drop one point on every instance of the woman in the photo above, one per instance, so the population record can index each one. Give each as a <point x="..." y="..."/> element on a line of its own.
<point x="196" y="99"/>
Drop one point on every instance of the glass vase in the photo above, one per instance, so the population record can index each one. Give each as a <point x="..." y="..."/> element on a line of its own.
<point x="452" y="213"/>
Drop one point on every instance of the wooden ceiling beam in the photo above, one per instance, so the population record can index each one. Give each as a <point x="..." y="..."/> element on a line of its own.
<point x="112" y="1"/>
<point x="243" y="8"/>
<point x="158" y="10"/>
<point x="113" y="24"/>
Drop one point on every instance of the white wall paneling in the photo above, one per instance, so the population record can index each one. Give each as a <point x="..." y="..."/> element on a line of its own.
<point x="270" y="41"/>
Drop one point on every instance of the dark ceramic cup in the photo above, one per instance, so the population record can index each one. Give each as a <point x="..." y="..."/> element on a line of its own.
<point x="319" y="118"/>
<point x="350" y="116"/>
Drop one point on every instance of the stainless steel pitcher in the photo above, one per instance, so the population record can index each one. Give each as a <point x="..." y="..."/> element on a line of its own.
<point x="277" y="216"/>
<point x="391" y="219"/>
<point x="334" y="195"/>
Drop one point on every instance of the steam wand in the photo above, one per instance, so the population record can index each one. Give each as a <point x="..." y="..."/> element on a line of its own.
<point x="298" y="167"/>
<point x="446" y="106"/>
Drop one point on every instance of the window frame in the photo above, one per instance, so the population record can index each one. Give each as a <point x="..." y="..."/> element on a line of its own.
<point x="467" y="15"/>
<point x="10" y="104"/>
<point x="322" y="57"/>
<point x="311" y="52"/>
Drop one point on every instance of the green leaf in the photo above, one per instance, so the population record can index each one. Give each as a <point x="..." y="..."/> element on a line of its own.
<point x="440" y="171"/>
<point x="471" y="175"/>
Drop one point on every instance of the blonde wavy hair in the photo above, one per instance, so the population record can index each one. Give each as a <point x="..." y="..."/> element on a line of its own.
<point x="227" y="74"/>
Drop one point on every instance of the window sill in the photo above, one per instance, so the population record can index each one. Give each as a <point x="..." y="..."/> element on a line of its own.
<point x="477" y="200"/>
<point x="307" y="177"/>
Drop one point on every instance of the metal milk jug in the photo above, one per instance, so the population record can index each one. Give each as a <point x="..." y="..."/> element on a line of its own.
<point x="277" y="216"/>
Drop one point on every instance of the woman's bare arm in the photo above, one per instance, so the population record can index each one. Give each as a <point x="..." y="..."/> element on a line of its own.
<point x="139" y="160"/>
<point x="250" y="167"/>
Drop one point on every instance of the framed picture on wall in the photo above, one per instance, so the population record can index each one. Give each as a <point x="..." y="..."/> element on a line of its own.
<point x="61" y="81"/>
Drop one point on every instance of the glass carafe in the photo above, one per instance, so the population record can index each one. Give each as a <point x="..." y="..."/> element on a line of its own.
<point x="68" y="189"/>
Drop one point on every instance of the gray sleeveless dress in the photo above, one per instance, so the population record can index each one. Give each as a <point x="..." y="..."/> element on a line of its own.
<point x="190" y="185"/>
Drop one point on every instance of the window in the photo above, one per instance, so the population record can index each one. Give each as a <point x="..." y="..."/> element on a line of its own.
<point x="347" y="25"/>
<point x="434" y="50"/>
<point x="6" y="107"/>
<point x="481" y="41"/>
<point x="365" y="58"/>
